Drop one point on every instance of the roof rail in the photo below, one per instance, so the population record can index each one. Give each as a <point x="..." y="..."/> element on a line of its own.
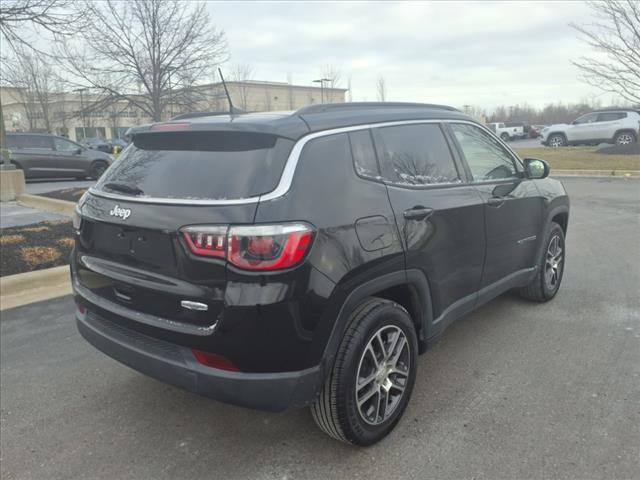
<point x="332" y="107"/>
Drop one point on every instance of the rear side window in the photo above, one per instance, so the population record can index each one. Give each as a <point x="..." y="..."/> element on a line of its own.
<point x="14" y="142"/>
<point x="41" y="142"/>
<point x="364" y="155"/>
<point x="200" y="165"/>
<point x="415" y="155"/>
<point x="611" y="116"/>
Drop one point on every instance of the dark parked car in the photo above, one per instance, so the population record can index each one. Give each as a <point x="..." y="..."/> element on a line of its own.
<point x="43" y="155"/>
<point x="98" y="144"/>
<point x="283" y="260"/>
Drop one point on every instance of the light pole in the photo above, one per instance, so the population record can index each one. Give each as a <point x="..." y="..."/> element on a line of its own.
<point x="321" y="82"/>
<point x="170" y="70"/>
<point x="84" y="132"/>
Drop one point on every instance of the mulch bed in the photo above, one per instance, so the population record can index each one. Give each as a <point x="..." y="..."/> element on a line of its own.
<point x="68" y="194"/>
<point x="35" y="247"/>
<point x="631" y="149"/>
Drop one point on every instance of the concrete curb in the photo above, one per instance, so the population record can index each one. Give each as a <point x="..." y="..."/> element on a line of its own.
<point x="47" y="204"/>
<point x="595" y="173"/>
<point x="24" y="288"/>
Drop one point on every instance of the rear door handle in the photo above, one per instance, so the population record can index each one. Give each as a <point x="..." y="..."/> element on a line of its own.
<point x="495" y="201"/>
<point x="417" y="213"/>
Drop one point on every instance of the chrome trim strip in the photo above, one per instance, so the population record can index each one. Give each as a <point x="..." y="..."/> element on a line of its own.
<point x="528" y="239"/>
<point x="197" y="306"/>
<point x="145" y="318"/>
<point x="288" y="173"/>
<point x="171" y="201"/>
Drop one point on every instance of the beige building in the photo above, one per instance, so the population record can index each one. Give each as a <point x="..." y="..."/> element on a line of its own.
<point x="64" y="115"/>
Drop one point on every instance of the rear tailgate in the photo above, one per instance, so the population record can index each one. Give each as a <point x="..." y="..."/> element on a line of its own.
<point x="130" y="255"/>
<point x="142" y="262"/>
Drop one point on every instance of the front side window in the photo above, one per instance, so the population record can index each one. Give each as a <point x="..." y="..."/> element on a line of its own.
<point x="415" y="155"/>
<point x="485" y="156"/>
<point x="63" y="145"/>
<point x="588" y="118"/>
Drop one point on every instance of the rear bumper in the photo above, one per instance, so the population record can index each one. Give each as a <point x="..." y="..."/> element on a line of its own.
<point x="177" y="366"/>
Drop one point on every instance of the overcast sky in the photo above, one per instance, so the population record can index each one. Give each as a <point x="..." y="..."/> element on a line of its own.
<point x="479" y="53"/>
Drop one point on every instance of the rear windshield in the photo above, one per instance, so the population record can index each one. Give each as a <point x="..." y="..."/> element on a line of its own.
<point x="198" y="165"/>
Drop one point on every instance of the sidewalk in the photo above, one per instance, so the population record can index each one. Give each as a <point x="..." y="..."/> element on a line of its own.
<point x="14" y="215"/>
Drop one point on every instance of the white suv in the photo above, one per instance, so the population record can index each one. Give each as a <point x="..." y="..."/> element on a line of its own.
<point x="612" y="126"/>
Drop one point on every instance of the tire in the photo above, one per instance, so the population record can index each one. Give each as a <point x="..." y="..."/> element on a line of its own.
<point x="624" y="138"/>
<point x="557" y="140"/>
<point x="336" y="410"/>
<point x="504" y="137"/>
<point x="541" y="289"/>
<point x="97" y="169"/>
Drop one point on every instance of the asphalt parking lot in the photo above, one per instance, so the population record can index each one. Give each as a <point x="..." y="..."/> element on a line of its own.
<point x="515" y="390"/>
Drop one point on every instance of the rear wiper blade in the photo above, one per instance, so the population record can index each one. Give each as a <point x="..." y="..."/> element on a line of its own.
<point x="124" y="188"/>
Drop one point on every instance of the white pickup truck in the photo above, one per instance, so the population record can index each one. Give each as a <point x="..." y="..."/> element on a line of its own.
<point x="508" y="130"/>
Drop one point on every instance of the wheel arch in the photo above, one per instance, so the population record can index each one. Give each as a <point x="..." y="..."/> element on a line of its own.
<point x="625" y="130"/>
<point x="558" y="214"/>
<point x="408" y="288"/>
<point x="558" y="132"/>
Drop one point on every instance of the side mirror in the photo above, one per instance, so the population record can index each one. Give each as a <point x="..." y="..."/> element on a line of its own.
<point x="78" y="151"/>
<point x="536" y="168"/>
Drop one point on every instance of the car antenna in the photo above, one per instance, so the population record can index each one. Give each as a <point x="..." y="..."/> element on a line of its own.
<point x="232" y="109"/>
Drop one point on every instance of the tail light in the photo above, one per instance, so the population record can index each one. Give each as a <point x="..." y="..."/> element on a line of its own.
<point x="254" y="247"/>
<point x="207" y="241"/>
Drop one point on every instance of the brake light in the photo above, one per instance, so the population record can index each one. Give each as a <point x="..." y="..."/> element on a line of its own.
<point x="255" y="247"/>
<point x="170" y="127"/>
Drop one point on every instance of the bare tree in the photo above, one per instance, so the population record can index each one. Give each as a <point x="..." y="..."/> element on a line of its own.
<point x="148" y="52"/>
<point x="381" y="88"/>
<point x="52" y="16"/>
<point x="241" y="73"/>
<point x="615" y="37"/>
<point x="32" y="78"/>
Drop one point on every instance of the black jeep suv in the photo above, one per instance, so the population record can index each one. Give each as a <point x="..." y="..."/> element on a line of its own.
<point x="276" y="260"/>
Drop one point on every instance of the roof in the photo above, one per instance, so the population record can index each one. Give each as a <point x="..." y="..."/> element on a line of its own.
<point x="314" y="118"/>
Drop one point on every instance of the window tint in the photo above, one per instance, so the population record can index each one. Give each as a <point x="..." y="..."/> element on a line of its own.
<point x="201" y="165"/>
<point x="415" y="155"/>
<point x="588" y="118"/>
<point x="40" y="142"/>
<point x="484" y="155"/>
<point x="14" y="142"/>
<point x="611" y="116"/>
<point x="63" y="145"/>
<point x="364" y="156"/>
